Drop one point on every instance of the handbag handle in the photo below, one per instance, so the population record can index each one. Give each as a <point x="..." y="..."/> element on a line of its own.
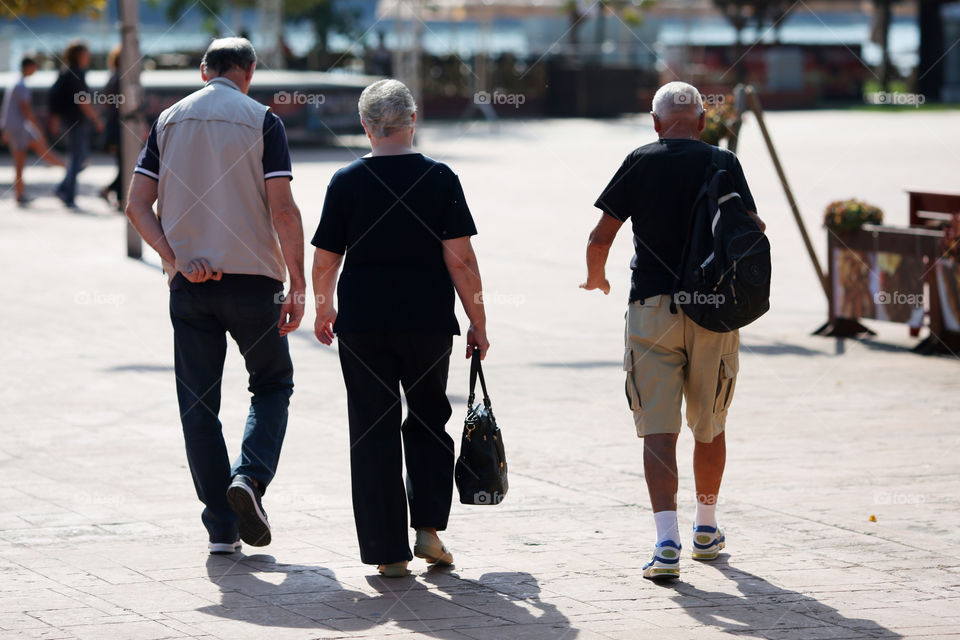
<point x="475" y="371"/>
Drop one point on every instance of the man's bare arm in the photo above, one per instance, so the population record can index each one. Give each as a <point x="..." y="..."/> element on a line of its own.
<point x="289" y="227"/>
<point x="326" y="266"/>
<point x="464" y="270"/>
<point x="143" y="193"/>
<point x="598" y="248"/>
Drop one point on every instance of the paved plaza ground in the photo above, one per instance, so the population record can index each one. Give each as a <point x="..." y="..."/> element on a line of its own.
<point x="100" y="535"/>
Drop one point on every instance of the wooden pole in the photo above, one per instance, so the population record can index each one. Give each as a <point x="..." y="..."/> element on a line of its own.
<point x="131" y="119"/>
<point x="754" y="103"/>
<point x="881" y="36"/>
<point x="739" y="105"/>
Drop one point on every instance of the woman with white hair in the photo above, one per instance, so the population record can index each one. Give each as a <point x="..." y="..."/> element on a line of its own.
<point x="400" y="224"/>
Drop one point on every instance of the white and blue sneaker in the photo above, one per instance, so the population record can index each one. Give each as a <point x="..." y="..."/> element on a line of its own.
<point x="707" y="542"/>
<point x="665" y="564"/>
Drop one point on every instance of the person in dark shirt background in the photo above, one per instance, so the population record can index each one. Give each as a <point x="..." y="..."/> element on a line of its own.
<point x="74" y="106"/>
<point x="667" y="357"/>
<point x="400" y="224"/>
<point x="113" y="139"/>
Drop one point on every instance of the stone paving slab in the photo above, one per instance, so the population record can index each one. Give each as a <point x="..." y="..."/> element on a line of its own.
<point x="99" y="530"/>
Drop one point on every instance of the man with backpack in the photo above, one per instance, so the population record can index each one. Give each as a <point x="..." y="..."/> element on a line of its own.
<point x="668" y="356"/>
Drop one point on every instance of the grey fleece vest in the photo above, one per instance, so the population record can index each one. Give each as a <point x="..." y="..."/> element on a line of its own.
<point x="212" y="199"/>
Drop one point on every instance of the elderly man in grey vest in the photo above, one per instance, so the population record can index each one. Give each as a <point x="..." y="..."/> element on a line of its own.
<point x="227" y="230"/>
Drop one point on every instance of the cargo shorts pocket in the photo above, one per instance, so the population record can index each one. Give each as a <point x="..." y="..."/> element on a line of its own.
<point x="630" y="384"/>
<point x="726" y="381"/>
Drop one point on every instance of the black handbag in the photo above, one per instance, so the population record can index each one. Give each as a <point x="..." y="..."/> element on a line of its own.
<point x="481" y="471"/>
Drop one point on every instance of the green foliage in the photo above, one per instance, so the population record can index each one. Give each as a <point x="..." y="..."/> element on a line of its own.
<point x="62" y="8"/>
<point x="326" y="16"/>
<point x="719" y="121"/>
<point x="740" y="13"/>
<point x="847" y="215"/>
<point x="211" y="10"/>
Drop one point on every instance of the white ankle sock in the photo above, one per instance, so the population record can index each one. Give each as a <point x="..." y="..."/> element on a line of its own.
<point x="667" y="527"/>
<point x="706" y="515"/>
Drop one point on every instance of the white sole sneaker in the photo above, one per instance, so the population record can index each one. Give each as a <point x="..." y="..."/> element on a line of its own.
<point x="224" y="548"/>
<point x="665" y="564"/>
<point x="707" y="542"/>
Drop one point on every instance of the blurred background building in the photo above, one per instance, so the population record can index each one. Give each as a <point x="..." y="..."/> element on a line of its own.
<point x="564" y="57"/>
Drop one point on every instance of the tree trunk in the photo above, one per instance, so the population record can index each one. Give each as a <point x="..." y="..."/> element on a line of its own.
<point x="930" y="68"/>
<point x="882" y="21"/>
<point x="741" y="51"/>
<point x="601" y="28"/>
<point x="131" y="118"/>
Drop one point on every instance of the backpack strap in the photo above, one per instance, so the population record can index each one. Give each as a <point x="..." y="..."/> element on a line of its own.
<point x="718" y="160"/>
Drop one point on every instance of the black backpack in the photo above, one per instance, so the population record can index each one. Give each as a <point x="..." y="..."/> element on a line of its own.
<point x="724" y="280"/>
<point x="59" y="100"/>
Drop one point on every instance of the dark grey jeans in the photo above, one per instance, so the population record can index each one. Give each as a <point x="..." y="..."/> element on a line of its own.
<point x="246" y="307"/>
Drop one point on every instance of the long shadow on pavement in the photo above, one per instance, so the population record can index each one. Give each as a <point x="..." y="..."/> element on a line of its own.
<point x="436" y="602"/>
<point x="764" y="608"/>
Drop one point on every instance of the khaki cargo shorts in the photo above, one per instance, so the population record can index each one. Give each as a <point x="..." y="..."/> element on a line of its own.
<point x="668" y="357"/>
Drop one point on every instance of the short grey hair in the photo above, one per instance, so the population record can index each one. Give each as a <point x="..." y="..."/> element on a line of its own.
<point x="225" y="54"/>
<point x="386" y="107"/>
<point x="675" y="98"/>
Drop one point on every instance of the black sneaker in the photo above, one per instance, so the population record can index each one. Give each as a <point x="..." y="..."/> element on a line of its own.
<point x="244" y="499"/>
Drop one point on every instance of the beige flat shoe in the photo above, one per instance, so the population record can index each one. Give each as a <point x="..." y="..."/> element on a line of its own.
<point x="430" y="548"/>
<point x="394" y="570"/>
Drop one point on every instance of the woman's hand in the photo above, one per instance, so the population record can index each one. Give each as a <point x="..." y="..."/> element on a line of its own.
<point x="477" y="337"/>
<point x="323" y="327"/>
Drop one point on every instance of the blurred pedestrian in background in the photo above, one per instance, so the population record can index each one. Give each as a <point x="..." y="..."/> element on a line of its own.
<point x="71" y="102"/>
<point x="21" y="130"/>
<point x="112" y="133"/>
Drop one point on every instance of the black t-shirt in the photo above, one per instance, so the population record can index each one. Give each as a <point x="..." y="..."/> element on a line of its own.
<point x="655" y="188"/>
<point x="74" y="89"/>
<point x="390" y="216"/>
